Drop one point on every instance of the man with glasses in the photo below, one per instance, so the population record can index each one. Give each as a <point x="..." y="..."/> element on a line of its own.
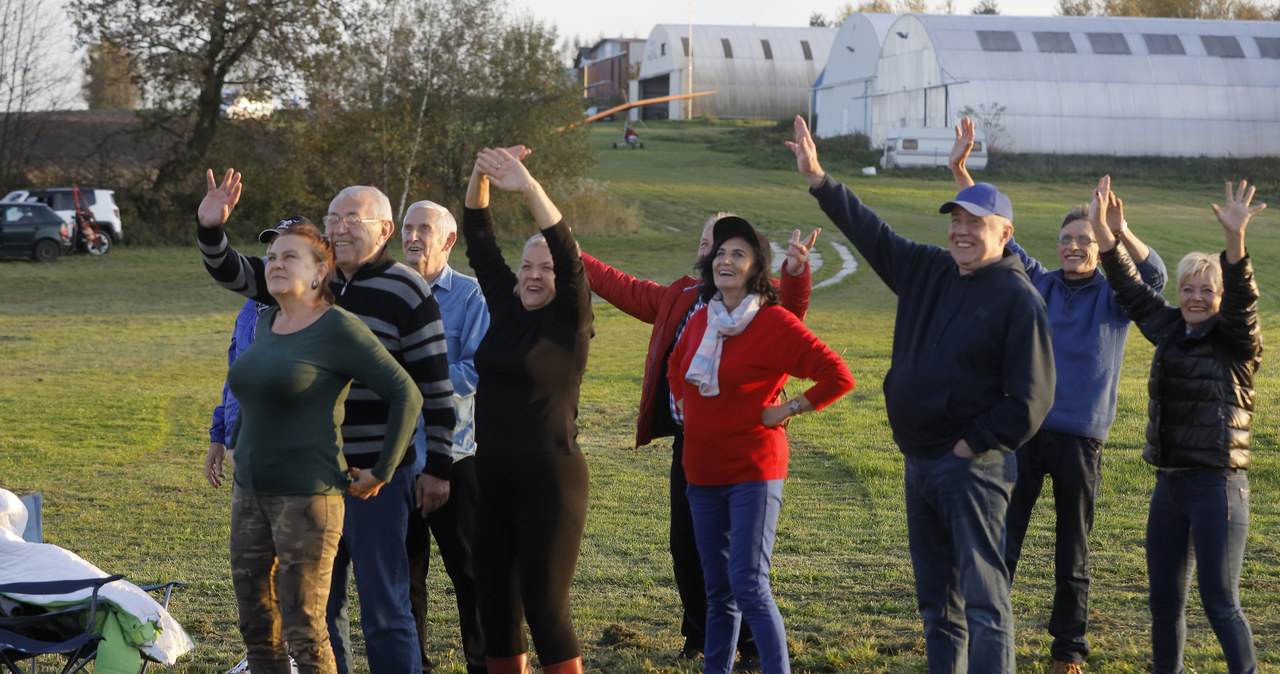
<point x="1089" y="332"/>
<point x="396" y="303"/>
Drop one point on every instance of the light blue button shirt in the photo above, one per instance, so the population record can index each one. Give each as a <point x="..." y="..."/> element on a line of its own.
<point x="466" y="319"/>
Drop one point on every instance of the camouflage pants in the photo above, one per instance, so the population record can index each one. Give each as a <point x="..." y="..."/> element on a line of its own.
<point x="282" y="550"/>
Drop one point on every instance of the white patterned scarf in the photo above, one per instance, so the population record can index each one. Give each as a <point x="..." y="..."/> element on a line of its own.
<point x="704" y="367"/>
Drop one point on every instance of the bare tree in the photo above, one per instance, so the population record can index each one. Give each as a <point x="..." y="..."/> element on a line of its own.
<point x="28" y="81"/>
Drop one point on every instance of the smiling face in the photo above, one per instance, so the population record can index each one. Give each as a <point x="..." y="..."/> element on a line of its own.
<point x="425" y="242"/>
<point x="731" y="266"/>
<point x="356" y="244"/>
<point x="1077" y="250"/>
<point x="292" y="268"/>
<point x="1200" y="296"/>
<point x="976" y="242"/>
<point x="536" y="282"/>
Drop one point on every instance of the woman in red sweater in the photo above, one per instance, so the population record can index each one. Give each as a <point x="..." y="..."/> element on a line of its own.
<point x="727" y="374"/>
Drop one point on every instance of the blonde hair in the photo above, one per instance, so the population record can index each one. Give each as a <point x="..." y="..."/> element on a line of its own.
<point x="1196" y="264"/>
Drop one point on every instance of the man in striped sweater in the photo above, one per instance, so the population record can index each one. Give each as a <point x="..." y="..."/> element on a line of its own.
<point x="396" y="303"/>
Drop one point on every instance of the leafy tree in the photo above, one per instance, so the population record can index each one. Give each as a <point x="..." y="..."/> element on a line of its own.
<point x="986" y="7"/>
<point x="1075" y="7"/>
<point x="817" y="20"/>
<point x="912" y="7"/>
<point x="187" y="53"/>
<point x="110" y="76"/>
<point x="873" y="7"/>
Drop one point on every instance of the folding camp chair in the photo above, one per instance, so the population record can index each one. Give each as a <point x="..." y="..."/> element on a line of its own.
<point x="62" y="631"/>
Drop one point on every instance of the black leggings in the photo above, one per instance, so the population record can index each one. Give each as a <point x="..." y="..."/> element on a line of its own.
<point x="533" y="508"/>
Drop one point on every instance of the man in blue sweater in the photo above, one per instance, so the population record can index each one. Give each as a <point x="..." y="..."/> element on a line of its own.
<point x="1089" y="332"/>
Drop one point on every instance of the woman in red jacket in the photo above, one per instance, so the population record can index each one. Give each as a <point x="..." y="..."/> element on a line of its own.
<point x="728" y="372"/>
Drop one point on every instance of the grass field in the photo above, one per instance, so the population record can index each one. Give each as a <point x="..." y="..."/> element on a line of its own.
<point x="110" y="366"/>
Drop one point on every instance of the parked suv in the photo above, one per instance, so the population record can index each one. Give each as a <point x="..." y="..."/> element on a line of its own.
<point x="101" y="203"/>
<point x="33" y="229"/>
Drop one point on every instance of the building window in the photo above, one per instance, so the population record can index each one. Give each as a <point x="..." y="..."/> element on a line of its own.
<point x="1268" y="47"/>
<point x="998" y="40"/>
<point x="1109" y="43"/>
<point x="1163" y="44"/>
<point x="808" y="53"/>
<point x="662" y="49"/>
<point x="728" y="50"/>
<point x="1225" y="46"/>
<point x="768" y="51"/>
<point x="1055" y="43"/>
<point x="684" y="41"/>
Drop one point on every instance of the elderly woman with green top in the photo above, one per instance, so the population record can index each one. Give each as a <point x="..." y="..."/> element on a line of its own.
<point x="287" y="508"/>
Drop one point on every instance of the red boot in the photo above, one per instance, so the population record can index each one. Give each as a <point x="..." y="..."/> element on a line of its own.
<point x="573" y="666"/>
<point x="516" y="664"/>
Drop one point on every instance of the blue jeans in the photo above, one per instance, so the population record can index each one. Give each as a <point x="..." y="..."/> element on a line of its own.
<point x="373" y="540"/>
<point x="955" y="528"/>
<point x="1075" y="464"/>
<point x="735" y="526"/>
<point x="1207" y="511"/>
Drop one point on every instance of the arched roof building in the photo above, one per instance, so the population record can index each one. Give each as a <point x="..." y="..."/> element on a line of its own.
<point x="759" y="72"/>
<point x="842" y="94"/>
<point x="1089" y="85"/>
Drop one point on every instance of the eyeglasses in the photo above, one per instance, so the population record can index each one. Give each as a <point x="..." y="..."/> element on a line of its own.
<point x="1082" y="240"/>
<point x="349" y="220"/>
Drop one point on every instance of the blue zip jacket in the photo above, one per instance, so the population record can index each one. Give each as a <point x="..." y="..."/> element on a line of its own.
<point x="224" y="415"/>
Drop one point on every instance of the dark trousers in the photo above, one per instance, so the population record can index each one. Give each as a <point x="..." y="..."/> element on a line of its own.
<point x="1199" y="521"/>
<point x="533" y="509"/>
<point x="1075" y="465"/>
<point x="687" y="563"/>
<point x="454" y="527"/>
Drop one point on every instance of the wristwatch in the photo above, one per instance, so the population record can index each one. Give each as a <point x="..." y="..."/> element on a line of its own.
<point x="794" y="406"/>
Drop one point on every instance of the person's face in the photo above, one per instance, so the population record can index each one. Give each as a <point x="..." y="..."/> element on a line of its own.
<point x="355" y="244"/>
<point x="976" y="242"/>
<point x="292" y="268"/>
<point x="1200" y="299"/>
<point x="536" y="282"/>
<point x="1077" y="250"/>
<point x="704" y="243"/>
<point x="731" y="267"/>
<point x="422" y="240"/>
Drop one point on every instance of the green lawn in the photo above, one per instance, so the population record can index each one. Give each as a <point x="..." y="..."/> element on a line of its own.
<point x="110" y="366"/>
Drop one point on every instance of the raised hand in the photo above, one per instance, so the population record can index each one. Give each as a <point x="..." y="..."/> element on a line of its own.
<point x="806" y="154"/>
<point x="504" y="168"/>
<point x="798" y="251"/>
<point x="964" y="143"/>
<point x="1235" y="216"/>
<point x="220" y="200"/>
<point x="1115" y="213"/>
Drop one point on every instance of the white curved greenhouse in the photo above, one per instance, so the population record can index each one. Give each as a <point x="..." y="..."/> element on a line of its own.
<point x="758" y="71"/>
<point x="842" y="94"/>
<point x="1090" y="85"/>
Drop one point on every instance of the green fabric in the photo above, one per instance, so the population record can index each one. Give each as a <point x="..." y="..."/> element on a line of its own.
<point x="116" y="655"/>
<point x="292" y="390"/>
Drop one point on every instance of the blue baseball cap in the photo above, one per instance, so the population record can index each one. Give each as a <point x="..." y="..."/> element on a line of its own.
<point x="981" y="199"/>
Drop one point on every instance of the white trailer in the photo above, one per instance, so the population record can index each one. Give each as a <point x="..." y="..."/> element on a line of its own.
<point x="911" y="148"/>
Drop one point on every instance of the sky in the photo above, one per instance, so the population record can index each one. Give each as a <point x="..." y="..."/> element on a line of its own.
<point x="592" y="19"/>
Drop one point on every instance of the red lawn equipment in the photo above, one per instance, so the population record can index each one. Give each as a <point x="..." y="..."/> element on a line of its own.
<point x="87" y="236"/>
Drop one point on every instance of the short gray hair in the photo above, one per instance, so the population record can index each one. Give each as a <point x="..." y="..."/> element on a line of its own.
<point x="444" y="219"/>
<point x="378" y="203"/>
<point x="533" y="242"/>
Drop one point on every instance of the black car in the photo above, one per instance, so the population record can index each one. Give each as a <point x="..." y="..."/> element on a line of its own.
<point x="33" y="229"/>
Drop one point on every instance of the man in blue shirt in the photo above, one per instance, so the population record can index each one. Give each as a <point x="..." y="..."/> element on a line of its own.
<point x="427" y="236"/>
<point x="1089" y="332"/>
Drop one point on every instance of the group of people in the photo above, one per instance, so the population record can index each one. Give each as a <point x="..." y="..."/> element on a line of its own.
<point x="1002" y="372"/>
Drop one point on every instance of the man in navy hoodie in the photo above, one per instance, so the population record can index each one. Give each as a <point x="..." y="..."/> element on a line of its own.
<point x="971" y="379"/>
<point x="1089" y="332"/>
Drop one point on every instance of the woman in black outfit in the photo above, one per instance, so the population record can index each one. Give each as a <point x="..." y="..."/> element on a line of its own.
<point x="532" y="475"/>
<point x="1202" y="401"/>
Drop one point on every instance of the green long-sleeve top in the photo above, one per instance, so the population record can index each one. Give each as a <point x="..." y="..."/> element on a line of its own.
<point x="292" y="389"/>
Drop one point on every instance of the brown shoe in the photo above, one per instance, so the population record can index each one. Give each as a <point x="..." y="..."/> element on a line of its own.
<point x="1067" y="668"/>
<point x="516" y="664"/>
<point x="573" y="666"/>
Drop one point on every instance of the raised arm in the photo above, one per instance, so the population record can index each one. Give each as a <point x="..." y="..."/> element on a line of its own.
<point x="960" y="153"/>
<point x="806" y="154"/>
<point x="231" y="270"/>
<point x="508" y="173"/>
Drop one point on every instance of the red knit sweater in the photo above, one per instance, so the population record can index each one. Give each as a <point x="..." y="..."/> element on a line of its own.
<point x="725" y="441"/>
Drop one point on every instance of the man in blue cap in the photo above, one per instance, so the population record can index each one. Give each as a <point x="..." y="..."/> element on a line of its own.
<point x="971" y="379"/>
